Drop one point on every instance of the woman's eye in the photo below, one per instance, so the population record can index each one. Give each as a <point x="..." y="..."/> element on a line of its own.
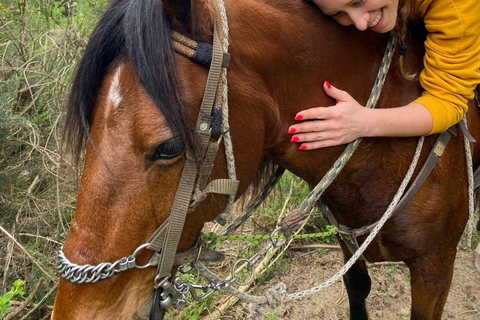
<point x="337" y="15"/>
<point x="358" y="3"/>
<point x="168" y="150"/>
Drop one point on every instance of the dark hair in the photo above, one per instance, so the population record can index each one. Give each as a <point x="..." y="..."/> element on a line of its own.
<point x="400" y="31"/>
<point x="138" y="31"/>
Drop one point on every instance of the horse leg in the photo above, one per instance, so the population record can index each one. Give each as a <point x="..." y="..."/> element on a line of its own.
<point x="431" y="277"/>
<point x="358" y="284"/>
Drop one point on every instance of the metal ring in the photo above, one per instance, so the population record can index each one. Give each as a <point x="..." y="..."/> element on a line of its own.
<point x="134" y="255"/>
<point x="184" y="269"/>
<point x="249" y="268"/>
<point x="159" y="281"/>
<point x="143" y="246"/>
<point x="272" y="240"/>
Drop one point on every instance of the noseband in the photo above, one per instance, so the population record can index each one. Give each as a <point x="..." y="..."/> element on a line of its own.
<point x="212" y="128"/>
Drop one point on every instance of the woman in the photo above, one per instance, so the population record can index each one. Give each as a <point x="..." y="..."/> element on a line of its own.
<point x="451" y="72"/>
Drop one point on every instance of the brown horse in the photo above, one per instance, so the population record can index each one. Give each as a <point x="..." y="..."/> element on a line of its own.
<point x="132" y="96"/>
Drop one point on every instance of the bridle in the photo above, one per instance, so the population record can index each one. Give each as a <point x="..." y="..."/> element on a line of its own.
<point x="212" y="128"/>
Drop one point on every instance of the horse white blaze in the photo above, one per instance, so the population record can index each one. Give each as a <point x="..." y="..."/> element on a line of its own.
<point x="114" y="95"/>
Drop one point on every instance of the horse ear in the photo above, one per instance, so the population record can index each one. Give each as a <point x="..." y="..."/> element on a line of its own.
<point x="180" y="11"/>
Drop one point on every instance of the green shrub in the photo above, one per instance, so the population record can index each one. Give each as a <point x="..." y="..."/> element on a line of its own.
<point x="15" y="291"/>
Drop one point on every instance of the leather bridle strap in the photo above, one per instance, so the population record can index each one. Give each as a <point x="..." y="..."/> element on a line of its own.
<point x="167" y="237"/>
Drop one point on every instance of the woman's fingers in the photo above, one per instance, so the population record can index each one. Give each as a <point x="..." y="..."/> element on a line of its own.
<point x="316" y="126"/>
<point x="313" y="136"/>
<point x="324" y="136"/>
<point x="318" y="145"/>
<point x="336" y="93"/>
<point x="318" y="113"/>
<point x="324" y="112"/>
<point x="329" y="126"/>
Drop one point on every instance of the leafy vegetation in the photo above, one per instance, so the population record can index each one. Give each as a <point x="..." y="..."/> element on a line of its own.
<point x="15" y="290"/>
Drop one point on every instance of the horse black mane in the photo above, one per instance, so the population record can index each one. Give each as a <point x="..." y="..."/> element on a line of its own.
<point x="138" y="31"/>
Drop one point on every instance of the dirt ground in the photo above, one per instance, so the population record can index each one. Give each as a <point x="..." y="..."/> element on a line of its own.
<point x="388" y="299"/>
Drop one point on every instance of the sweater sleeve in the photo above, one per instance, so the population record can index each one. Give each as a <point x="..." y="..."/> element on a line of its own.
<point x="452" y="58"/>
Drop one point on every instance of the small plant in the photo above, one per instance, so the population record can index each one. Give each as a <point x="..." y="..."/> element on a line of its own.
<point x="323" y="252"/>
<point x="391" y="270"/>
<point x="15" y="290"/>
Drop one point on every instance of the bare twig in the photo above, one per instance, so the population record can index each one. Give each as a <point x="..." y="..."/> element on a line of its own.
<point x="10" y="249"/>
<point x="342" y="296"/>
<point x="41" y="303"/>
<point x="35" y="261"/>
<point x="315" y="246"/>
<point x="386" y="263"/>
<point x="40" y="237"/>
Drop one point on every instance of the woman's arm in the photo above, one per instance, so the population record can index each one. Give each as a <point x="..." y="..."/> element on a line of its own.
<point x="347" y="120"/>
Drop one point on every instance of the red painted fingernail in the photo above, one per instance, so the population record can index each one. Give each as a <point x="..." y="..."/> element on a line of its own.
<point x="302" y="147"/>
<point x="298" y="117"/>
<point x="294" y="139"/>
<point x="329" y="86"/>
<point x="291" y="131"/>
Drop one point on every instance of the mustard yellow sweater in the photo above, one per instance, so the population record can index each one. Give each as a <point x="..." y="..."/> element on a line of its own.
<point x="452" y="58"/>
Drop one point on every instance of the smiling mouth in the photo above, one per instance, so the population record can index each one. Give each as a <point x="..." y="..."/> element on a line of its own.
<point x="378" y="18"/>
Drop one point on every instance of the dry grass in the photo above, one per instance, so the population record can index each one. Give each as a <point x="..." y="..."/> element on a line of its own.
<point x="40" y="42"/>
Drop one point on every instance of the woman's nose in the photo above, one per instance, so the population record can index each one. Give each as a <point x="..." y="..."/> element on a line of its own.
<point x="360" y="20"/>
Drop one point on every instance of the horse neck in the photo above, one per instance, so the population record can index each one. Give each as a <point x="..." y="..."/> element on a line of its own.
<point x="286" y="50"/>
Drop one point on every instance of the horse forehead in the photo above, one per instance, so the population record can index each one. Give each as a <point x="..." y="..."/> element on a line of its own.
<point x="126" y="98"/>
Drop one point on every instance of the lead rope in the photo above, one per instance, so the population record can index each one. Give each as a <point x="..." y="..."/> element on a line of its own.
<point x="274" y="296"/>
<point x="227" y="139"/>
<point x="471" y="207"/>
<point x="277" y="294"/>
<point x="296" y="215"/>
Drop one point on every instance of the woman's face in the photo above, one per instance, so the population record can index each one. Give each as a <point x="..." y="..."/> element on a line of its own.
<point x="376" y="15"/>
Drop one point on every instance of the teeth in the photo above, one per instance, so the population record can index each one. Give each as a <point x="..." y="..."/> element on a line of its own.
<point x="377" y="19"/>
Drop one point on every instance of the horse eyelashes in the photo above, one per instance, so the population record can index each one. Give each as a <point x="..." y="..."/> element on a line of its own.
<point x="169" y="149"/>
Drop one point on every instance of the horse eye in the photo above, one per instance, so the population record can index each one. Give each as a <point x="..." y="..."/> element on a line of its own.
<point x="168" y="150"/>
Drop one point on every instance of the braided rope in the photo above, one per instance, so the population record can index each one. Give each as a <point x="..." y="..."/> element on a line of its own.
<point x="471" y="208"/>
<point x="227" y="139"/>
<point x="333" y="172"/>
<point x="180" y="38"/>
<point x="182" y="49"/>
<point x="183" y="44"/>
<point x="258" y="302"/>
<point x="371" y="236"/>
<point x="255" y="203"/>
<point x="220" y="238"/>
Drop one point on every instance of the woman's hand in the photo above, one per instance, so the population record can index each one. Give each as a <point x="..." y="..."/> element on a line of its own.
<point x="330" y="126"/>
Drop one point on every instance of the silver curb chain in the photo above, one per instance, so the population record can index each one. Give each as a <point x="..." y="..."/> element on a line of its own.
<point x="88" y="273"/>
